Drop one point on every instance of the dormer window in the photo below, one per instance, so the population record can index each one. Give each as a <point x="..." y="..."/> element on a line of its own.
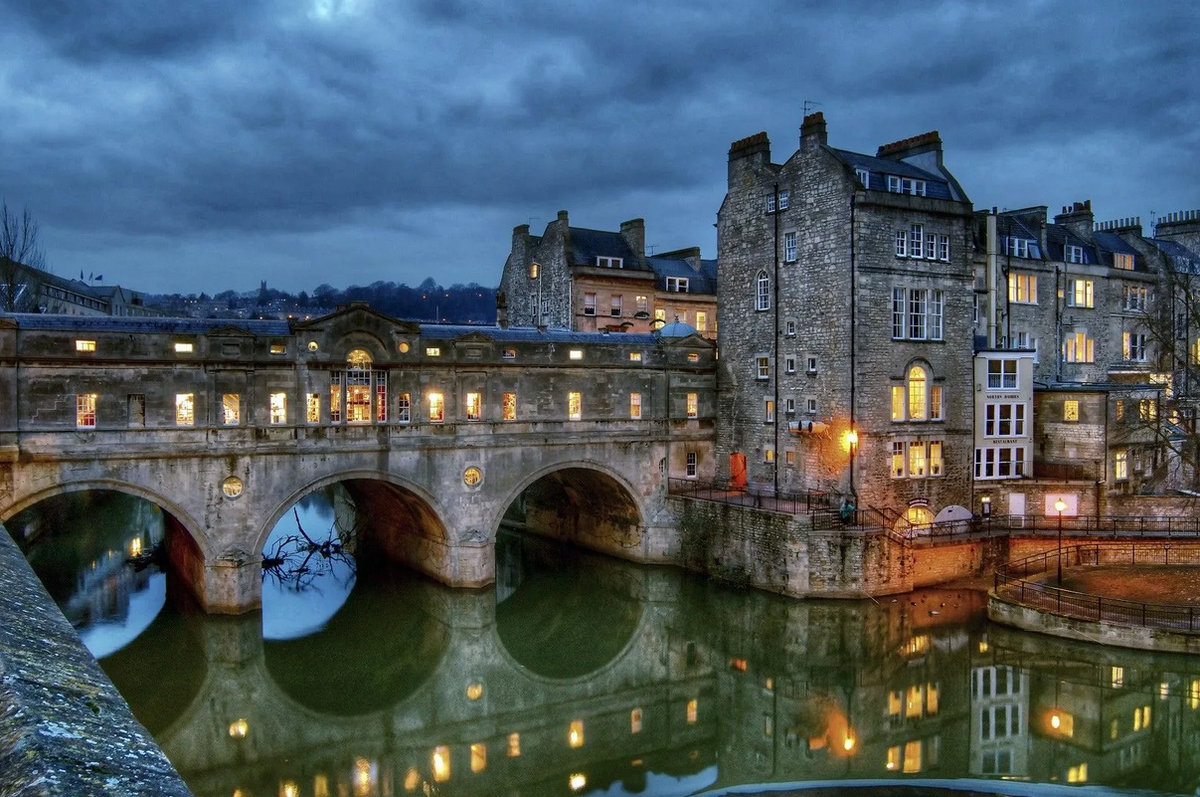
<point x="864" y="177"/>
<point x="1021" y="247"/>
<point x="905" y="185"/>
<point x="677" y="284"/>
<point x="1074" y="254"/>
<point x="1122" y="261"/>
<point x="609" y="262"/>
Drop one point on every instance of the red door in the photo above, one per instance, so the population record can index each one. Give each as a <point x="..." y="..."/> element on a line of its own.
<point x="737" y="470"/>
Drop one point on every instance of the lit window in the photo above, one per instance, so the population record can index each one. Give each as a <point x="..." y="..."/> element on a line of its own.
<point x="897" y="460"/>
<point x="917" y="409"/>
<point x="508" y="407"/>
<point x="278" y="348"/>
<point x="635" y="406"/>
<point x="335" y="396"/>
<point x="643" y="304"/>
<point x="574" y="406"/>
<point x="313" y="410"/>
<point x="635" y="721"/>
<point x="701" y="321"/>
<point x="769" y="411"/>
<point x="183" y="348"/>
<point x="474" y="406"/>
<point x="768" y="455"/>
<point x="381" y="399"/>
<point x="935" y="402"/>
<point x="185" y="409"/>
<point x="575" y="733"/>
<point x="278" y="408"/>
<point x="916" y="460"/>
<point x="1022" y="288"/>
<point x="660" y="315"/>
<point x="404" y="408"/>
<point x="762" y="295"/>
<point x="691" y="464"/>
<point x="693" y="357"/>
<point x="1123" y="261"/>
<point x="1120" y="465"/>
<point x="1079" y="348"/>
<point x="231" y="409"/>
<point x="1133" y="346"/>
<point x="433" y="351"/>
<point x="509" y="354"/>
<point x="85" y="411"/>
<point x="437" y="408"/>
<point x="85" y="345"/>
<point x="575" y="354"/>
<point x="1147" y="409"/>
<point x="693" y="405"/>
<point x="635" y="356"/>
<point x="1080" y="293"/>
<point x="533" y="271"/>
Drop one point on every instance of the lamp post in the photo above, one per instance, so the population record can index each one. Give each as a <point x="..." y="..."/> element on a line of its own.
<point x="852" y="444"/>
<point x="1060" y="505"/>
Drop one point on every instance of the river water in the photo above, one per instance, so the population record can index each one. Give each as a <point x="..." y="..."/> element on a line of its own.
<point x="582" y="675"/>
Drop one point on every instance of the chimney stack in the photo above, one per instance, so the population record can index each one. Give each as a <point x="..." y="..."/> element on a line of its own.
<point x="813" y="132"/>
<point x="1077" y="218"/>
<point x="634" y="233"/>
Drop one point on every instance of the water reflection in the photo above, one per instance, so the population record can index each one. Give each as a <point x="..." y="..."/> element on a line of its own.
<point x="95" y="554"/>
<point x="584" y="675"/>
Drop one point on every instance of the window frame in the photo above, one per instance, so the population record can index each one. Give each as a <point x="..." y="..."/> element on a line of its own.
<point x="762" y="292"/>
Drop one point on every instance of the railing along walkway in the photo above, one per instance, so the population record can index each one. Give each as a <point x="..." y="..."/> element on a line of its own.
<point x="1013" y="582"/>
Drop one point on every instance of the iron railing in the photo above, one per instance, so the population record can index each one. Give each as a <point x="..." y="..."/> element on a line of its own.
<point x="1012" y="582"/>
<point x="726" y="492"/>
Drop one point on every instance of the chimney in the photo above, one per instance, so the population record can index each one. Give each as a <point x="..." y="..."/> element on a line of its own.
<point x="520" y="242"/>
<point x="634" y="233"/>
<point x="928" y="144"/>
<point x="1077" y="218"/>
<point x="501" y="310"/>
<point x="748" y="154"/>
<point x="1182" y="226"/>
<point x="690" y="255"/>
<point x="812" y="132"/>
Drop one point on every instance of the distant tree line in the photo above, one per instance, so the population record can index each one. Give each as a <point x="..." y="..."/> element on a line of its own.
<point x="429" y="301"/>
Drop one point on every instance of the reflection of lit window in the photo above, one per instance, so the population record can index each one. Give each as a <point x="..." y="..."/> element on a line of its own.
<point x="474" y="691"/>
<point x="1077" y="774"/>
<point x="278" y="408"/>
<point x="441" y="763"/>
<point x="478" y="757"/>
<point x="239" y="729"/>
<point x="85" y="411"/>
<point x="893" y="758"/>
<point x="509" y="407"/>
<point x="365" y="774"/>
<point x="1118" y="676"/>
<point x="321" y="786"/>
<point x="692" y="709"/>
<point x="635" y="721"/>
<point x="931" y="698"/>
<point x="577" y="781"/>
<point x="1141" y="718"/>
<point x="913" y="701"/>
<point x="1194" y="694"/>
<point x="514" y="745"/>
<point x="412" y="779"/>
<point x="574" y="406"/>
<point x="185" y="409"/>
<point x="894" y="701"/>
<point x="575" y="733"/>
<point x="916" y="645"/>
<point x="912" y="756"/>
<point x="738" y="664"/>
<point x="437" y="408"/>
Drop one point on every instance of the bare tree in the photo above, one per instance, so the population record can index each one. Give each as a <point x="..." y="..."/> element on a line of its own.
<point x="21" y="258"/>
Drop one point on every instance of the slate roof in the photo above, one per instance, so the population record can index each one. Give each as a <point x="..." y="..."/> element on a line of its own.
<point x="702" y="281"/>
<point x="533" y="335"/>
<point x="1059" y="236"/>
<point x="179" y="326"/>
<point x="587" y="245"/>
<point x="936" y="185"/>
<point x="1182" y="259"/>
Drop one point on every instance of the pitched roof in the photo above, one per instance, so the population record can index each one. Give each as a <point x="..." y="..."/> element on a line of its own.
<point x="534" y="335"/>
<point x="703" y="280"/>
<point x="936" y="185"/>
<point x="180" y="326"/>
<point x="587" y="245"/>
<point x="1181" y="258"/>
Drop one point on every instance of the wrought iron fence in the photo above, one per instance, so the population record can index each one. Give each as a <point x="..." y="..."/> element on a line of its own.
<point x="1012" y="582"/>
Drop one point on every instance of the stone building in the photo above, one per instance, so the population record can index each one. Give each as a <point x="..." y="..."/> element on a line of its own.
<point x="845" y="295"/>
<point x="599" y="281"/>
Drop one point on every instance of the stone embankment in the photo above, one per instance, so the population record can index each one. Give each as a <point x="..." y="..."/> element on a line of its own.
<point x="64" y="728"/>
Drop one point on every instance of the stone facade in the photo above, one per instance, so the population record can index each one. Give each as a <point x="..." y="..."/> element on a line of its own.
<point x="599" y="281"/>
<point x="833" y="319"/>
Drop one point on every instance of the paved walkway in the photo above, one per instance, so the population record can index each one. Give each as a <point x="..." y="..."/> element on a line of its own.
<point x="1171" y="584"/>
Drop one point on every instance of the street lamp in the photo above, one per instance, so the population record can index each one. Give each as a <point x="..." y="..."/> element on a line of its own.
<point x="851" y="445"/>
<point x="1060" y="505"/>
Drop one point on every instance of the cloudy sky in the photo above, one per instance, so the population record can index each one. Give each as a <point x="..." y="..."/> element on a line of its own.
<point x="197" y="146"/>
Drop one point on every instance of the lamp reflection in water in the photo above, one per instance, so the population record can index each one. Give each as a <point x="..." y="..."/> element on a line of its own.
<point x="577" y="781"/>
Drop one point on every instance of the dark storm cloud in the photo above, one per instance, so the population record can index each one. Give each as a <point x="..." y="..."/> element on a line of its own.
<point x="387" y="133"/>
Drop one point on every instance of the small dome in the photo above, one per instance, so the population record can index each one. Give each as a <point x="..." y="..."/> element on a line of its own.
<point x="675" y="329"/>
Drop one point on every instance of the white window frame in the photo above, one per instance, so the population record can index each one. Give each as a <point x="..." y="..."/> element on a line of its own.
<point x="1081" y="293"/>
<point x="769" y="201"/>
<point x="616" y="306"/>
<point x="901" y="243"/>
<point x="1000" y="462"/>
<point x="1074" y="254"/>
<point x="762" y="367"/>
<point x="762" y="291"/>
<point x="1133" y="346"/>
<point x="690" y="464"/>
<point x="1022" y="287"/>
<point x="789" y="247"/>
<point x="1079" y="347"/>
<point x="1002" y="374"/>
<point x="944" y="248"/>
<point x="916" y="241"/>
<point x="785" y="197"/>
<point x="589" y="304"/>
<point x="677" y="284"/>
<point x="603" y="261"/>
<point x="85" y="410"/>
<point x="1123" y="261"/>
<point x="789" y="365"/>
<point x="1005" y="419"/>
<point x="789" y="328"/>
<point x="864" y="176"/>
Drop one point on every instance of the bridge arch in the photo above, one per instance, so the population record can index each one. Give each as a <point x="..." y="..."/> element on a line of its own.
<point x="616" y="516"/>
<point x="426" y="550"/>
<point x="181" y="515"/>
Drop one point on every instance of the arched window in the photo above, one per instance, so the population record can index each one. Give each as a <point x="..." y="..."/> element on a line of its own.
<point x="762" y="300"/>
<point x="918" y="405"/>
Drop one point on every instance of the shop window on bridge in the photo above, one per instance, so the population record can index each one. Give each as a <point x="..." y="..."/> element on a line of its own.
<point x="278" y="408"/>
<point x="313" y="408"/>
<point x="437" y="408"/>
<point x="356" y="385"/>
<point x="231" y="409"/>
<point x="474" y="406"/>
<point x="137" y="409"/>
<point x="404" y="408"/>
<point x="185" y="409"/>
<point x="574" y="406"/>
<point x="85" y="411"/>
<point x="508" y="407"/>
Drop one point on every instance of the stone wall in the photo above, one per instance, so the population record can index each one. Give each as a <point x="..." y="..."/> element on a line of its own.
<point x="64" y="729"/>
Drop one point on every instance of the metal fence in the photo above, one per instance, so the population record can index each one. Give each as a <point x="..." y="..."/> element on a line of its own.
<point x="1012" y="582"/>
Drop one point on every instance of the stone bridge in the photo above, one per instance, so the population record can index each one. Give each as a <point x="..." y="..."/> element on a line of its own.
<point x="435" y="430"/>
